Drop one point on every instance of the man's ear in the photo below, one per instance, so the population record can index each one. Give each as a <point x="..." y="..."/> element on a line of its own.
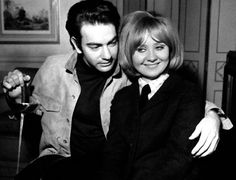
<point x="75" y="44"/>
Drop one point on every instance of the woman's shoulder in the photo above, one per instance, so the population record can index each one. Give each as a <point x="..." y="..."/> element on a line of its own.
<point x="189" y="74"/>
<point x="127" y="91"/>
<point x="184" y="83"/>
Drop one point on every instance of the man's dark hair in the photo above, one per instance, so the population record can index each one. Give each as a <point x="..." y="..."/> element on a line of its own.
<point x="92" y="12"/>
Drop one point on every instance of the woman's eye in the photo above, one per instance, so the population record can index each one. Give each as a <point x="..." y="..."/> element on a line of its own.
<point x="140" y="49"/>
<point x="160" y="47"/>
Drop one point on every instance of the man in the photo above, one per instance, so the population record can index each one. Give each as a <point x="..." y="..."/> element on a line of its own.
<point x="74" y="93"/>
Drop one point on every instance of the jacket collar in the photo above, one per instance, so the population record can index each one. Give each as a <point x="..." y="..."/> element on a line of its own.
<point x="70" y="66"/>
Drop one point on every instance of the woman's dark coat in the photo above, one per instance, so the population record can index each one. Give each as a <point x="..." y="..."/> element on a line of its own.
<point x="153" y="143"/>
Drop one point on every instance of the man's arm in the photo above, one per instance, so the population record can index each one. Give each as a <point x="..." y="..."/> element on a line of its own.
<point x="226" y="122"/>
<point x="12" y="84"/>
<point x="208" y="130"/>
<point x="17" y="91"/>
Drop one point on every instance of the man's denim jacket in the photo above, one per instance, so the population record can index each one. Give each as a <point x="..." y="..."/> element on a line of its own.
<point x="57" y="89"/>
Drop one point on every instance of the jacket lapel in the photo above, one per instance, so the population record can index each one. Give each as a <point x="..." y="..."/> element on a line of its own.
<point x="165" y="91"/>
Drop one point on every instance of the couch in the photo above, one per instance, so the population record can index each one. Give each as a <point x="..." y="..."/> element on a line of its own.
<point x="9" y="136"/>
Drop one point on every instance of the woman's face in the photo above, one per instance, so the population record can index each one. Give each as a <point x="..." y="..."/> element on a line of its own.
<point x="151" y="58"/>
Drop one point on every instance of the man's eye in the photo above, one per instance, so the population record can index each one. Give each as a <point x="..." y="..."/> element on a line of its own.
<point x="113" y="43"/>
<point x="94" y="47"/>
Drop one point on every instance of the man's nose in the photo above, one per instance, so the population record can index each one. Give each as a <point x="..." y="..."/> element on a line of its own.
<point x="106" y="54"/>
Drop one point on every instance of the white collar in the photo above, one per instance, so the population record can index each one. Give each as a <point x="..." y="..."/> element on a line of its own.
<point x="154" y="84"/>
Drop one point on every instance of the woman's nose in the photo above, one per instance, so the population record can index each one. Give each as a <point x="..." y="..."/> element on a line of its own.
<point x="152" y="56"/>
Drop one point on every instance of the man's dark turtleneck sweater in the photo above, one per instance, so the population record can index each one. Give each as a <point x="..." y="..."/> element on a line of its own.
<point x="87" y="137"/>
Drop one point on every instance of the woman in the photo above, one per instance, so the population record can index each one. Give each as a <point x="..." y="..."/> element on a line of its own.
<point x="150" y="141"/>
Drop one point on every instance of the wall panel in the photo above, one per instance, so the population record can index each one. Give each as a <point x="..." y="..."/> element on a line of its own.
<point x="222" y="40"/>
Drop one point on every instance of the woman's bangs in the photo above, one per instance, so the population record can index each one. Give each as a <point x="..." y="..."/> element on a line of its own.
<point x="138" y="39"/>
<point x="159" y="34"/>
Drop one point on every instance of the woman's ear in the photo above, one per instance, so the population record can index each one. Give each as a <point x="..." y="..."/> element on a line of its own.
<point x="75" y="44"/>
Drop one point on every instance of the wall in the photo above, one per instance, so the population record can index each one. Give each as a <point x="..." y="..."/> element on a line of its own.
<point x="206" y="53"/>
<point x="208" y="30"/>
<point x="32" y="55"/>
<point x="192" y="27"/>
<point x="222" y="38"/>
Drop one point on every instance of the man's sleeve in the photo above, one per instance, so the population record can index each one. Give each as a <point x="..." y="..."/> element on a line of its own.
<point x="226" y="122"/>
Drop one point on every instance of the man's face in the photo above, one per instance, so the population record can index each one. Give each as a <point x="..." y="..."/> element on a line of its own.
<point x="99" y="46"/>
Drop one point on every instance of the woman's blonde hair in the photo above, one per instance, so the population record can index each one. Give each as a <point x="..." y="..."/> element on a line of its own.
<point x="132" y="34"/>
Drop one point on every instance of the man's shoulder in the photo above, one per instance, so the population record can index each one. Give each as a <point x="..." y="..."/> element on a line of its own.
<point x="57" y="61"/>
<point x="53" y="65"/>
<point x="59" y="58"/>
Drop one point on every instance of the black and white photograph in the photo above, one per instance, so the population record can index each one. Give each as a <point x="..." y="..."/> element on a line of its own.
<point x="117" y="89"/>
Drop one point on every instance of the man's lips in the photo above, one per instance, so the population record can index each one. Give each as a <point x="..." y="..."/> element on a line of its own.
<point x="108" y="63"/>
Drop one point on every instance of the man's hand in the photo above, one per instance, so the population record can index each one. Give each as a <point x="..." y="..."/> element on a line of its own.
<point x="12" y="84"/>
<point x="208" y="130"/>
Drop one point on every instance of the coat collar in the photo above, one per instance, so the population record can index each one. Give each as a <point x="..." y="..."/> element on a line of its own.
<point x="170" y="86"/>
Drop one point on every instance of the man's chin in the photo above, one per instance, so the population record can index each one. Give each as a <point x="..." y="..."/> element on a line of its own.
<point x="105" y="68"/>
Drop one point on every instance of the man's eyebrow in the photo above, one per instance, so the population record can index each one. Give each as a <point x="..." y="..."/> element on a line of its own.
<point x="93" y="44"/>
<point x="115" y="38"/>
